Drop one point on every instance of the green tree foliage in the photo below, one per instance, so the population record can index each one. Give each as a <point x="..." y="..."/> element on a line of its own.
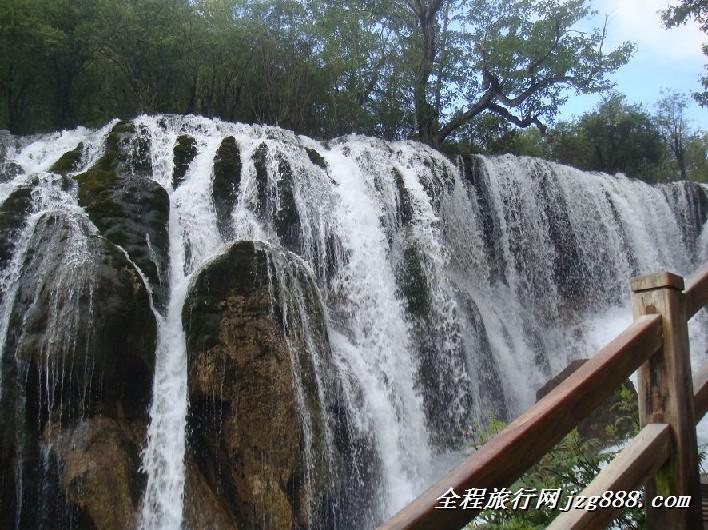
<point x="677" y="14"/>
<point x="673" y="124"/>
<point x="572" y="464"/>
<point x="393" y="68"/>
<point x="623" y="138"/>
<point x="615" y="137"/>
<point x="515" y="59"/>
<point x="697" y="157"/>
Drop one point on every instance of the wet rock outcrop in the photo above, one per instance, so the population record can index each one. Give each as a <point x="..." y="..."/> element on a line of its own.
<point x="128" y="207"/>
<point x="69" y="161"/>
<point x="267" y="436"/>
<point x="184" y="151"/>
<point x="227" y="179"/>
<point x="13" y="213"/>
<point x="76" y="382"/>
<point x="276" y="200"/>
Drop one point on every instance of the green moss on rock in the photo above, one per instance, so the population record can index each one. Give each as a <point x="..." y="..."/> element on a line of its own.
<point x="227" y="179"/>
<point x="287" y="217"/>
<point x="405" y="206"/>
<point x="260" y="157"/>
<point x="316" y="158"/>
<point x="81" y="411"/>
<point x="284" y="214"/>
<point x="128" y="208"/>
<point x="13" y="213"/>
<point x="113" y="326"/>
<point x="69" y="161"/>
<point x="183" y="153"/>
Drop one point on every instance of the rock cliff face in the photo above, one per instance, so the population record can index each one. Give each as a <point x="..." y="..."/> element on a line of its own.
<point x="76" y="382"/>
<point x="265" y="425"/>
<point x="322" y="324"/>
<point x="127" y="206"/>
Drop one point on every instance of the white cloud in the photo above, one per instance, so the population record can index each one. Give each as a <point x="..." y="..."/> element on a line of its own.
<point x="639" y="21"/>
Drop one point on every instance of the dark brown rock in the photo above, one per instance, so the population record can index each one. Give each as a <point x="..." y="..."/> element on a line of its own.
<point x="205" y="508"/>
<point x="247" y="436"/>
<point x="99" y="472"/>
<point x="76" y="383"/>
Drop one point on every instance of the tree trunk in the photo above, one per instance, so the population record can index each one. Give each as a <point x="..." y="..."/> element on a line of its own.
<point x="425" y="113"/>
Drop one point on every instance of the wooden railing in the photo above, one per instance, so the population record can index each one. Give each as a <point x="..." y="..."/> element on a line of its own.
<point x="663" y="456"/>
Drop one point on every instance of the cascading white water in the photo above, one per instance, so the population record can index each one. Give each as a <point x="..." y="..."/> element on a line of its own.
<point x="451" y="290"/>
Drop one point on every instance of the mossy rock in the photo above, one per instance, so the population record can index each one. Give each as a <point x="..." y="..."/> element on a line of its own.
<point x="102" y="328"/>
<point x="127" y="149"/>
<point x="69" y="161"/>
<point x="183" y="153"/>
<point x="287" y="217"/>
<point x="316" y="158"/>
<point x="260" y="158"/>
<point x="404" y="212"/>
<point x="284" y="214"/>
<point x="438" y="180"/>
<point x="80" y="347"/>
<point x="413" y="283"/>
<point x="246" y="437"/>
<point x="129" y="208"/>
<point x="13" y="213"/>
<point x="225" y="186"/>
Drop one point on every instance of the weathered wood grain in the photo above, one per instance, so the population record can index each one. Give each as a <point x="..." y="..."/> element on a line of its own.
<point x="665" y="388"/>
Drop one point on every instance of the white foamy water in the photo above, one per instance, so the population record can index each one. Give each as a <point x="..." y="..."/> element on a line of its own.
<point x="451" y="289"/>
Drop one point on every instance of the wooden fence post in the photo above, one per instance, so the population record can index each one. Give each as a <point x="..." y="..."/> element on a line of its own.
<point x="666" y="396"/>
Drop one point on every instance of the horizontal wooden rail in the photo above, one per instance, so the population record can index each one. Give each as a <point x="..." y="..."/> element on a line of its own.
<point x="521" y="444"/>
<point x="697" y="291"/>
<point x="628" y="471"/>
<point x="700" y="392"/>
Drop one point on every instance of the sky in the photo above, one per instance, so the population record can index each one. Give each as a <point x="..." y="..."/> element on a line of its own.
<point x="664" y="59"/>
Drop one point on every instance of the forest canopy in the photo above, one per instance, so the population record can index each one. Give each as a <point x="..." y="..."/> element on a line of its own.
<point x="392" y="68"/>
<point x="461" y="75"/>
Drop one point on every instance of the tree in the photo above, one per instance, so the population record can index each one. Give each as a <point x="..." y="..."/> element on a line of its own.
<point x="697" y="157"/>
<point x="393" y="68"/>
<point x="672" y="122"/>
<point x="514" y="59"/>
<point x="616" y="137"/>
<point x="677" y="15"/>
<point x="25" y="38"/>
<point x="624" y="139"/>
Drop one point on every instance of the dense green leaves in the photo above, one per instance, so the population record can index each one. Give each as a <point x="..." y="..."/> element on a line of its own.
<point x="677" y="14"/>
<point x="393" y="68"/>
<point x="616" y="137"/>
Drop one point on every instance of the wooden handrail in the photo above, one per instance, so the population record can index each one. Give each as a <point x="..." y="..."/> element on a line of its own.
<point x="697" y="291"/>
<point x="665" y="395"/>
<point x="530" y="436"/>
<point x="628" y="471"/>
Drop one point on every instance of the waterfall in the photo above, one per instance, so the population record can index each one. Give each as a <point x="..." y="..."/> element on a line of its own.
<point x="449" y="290"/>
